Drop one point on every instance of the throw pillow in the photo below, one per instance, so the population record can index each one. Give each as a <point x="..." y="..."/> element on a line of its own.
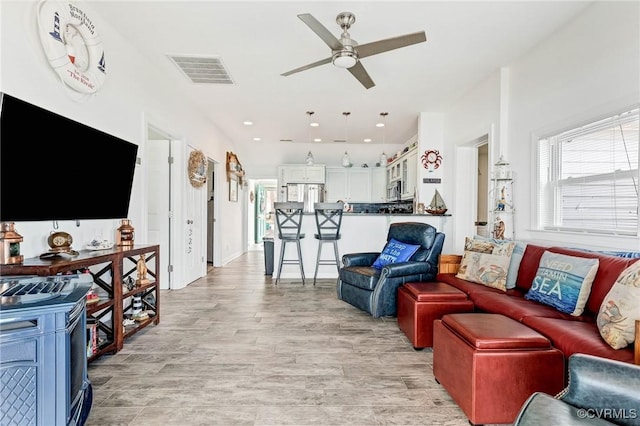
<point x="563" y="282"/>
<point x="620" y="309"/>
<point x="480" y="246"/>
<point x="395" y="252"/>
<point x="489" y="269"/>
<point x="516" y="257"/>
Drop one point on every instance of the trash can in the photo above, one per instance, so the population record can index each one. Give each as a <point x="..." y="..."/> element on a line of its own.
<point x="267" y="242"/>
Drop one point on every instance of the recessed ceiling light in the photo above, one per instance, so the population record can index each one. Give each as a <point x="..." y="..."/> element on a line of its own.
<point x="379" y="124"/>
<point x="317" y="140"/>
<point x="314" y="124"/>
<point x="367" y="139"/>
<point x="248" y="123"/>
<point x="257" y="139"/>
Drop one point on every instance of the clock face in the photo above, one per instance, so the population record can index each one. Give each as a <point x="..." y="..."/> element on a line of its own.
<point x="59" y="240"/>
<point x="431" y="156"/>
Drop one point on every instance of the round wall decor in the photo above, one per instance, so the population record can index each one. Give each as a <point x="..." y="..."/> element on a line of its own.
<point x="72" y="45"/>
<point x="431" y="159"/>
<point x="197" y="169"/>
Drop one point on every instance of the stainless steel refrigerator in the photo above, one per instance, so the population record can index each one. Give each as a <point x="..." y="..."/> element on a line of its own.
<point x="307" y="193"/>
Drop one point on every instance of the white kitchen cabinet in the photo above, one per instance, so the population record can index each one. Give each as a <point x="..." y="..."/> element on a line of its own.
<point x="378" y="185"/>
<point x="300" y="173"/>
<point x="352" y="185"/>
<point x="403" y="171"/>
<point x="409" y="175"/>
<point x="359" y="185"/>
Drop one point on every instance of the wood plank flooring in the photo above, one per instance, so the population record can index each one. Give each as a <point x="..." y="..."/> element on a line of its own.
<point x="234" y="349"/>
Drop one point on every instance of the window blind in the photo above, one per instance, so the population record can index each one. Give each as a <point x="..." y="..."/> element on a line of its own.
<point x="588" y="177"/>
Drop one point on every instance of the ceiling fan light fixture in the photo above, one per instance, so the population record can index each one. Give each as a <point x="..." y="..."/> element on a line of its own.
<point x="344" y="59"/>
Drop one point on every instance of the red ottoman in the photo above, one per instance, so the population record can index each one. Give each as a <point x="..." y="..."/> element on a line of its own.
<point x="490" y="364"/>
<point x="421" y="303"/>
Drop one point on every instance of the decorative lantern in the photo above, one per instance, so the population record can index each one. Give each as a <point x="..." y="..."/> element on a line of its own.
<point x="125" y="234"/>
<point x="9" y="244"/>
<point x="501" y="169"/>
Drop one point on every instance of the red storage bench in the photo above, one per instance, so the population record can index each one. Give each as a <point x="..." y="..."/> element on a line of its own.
<point x="419" y="304"/>
<point x="490" y="364"/>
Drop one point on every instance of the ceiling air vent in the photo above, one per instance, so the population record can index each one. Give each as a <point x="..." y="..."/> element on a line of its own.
<point x="203" y="69"/>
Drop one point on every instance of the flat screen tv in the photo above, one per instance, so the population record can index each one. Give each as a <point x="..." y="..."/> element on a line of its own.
<point x="54" y="168"/>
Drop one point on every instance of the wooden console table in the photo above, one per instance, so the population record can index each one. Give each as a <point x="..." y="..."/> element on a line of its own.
<point x="111" y="270"/>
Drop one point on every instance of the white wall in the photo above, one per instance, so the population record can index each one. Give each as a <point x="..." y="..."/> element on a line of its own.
<point x="588" y="68"/>
<point x="133" y="92"/>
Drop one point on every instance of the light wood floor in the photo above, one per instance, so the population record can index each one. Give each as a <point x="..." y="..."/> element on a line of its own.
<point x="234" y="349"/>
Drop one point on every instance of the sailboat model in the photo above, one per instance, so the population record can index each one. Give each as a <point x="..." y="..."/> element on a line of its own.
<point x="437" y="205"/>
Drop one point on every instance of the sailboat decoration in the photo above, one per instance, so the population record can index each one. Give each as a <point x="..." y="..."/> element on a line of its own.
<point x="437" y="205"/>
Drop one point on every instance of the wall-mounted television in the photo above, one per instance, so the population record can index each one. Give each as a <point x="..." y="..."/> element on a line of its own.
<point x="54" y="168"/>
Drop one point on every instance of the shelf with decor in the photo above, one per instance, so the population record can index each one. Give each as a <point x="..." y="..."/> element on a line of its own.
<point x="502" y="211"/>
<point x="114" y="272"/>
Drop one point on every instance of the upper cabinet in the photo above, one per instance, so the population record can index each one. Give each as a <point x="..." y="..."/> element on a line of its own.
<point x="402" y="176"/>
<point x="351" y="185"/>
<point x="300" y="173"/>
<point x="378" y="185"/>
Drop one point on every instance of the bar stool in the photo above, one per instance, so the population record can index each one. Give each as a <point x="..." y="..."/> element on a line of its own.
<point x="289" y="222"/>
<point x="328" y="222"/>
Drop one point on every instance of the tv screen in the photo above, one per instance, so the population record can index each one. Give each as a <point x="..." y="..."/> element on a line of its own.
<point x="54" y="168"/>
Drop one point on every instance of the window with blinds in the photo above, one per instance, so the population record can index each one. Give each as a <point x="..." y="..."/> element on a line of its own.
<point x="589" y="177"/>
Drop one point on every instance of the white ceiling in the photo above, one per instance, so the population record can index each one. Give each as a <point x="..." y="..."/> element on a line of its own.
<point x="258" y="40"/>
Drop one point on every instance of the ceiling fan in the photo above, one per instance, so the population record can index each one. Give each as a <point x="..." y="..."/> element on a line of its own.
<point x="346" y="53"/>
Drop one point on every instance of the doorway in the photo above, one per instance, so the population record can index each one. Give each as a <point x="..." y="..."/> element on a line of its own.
<point x="211" y="199"/>
<point x="483" y="188"/>
<point x="260" y="219"/>
<point x="158" y="184"/>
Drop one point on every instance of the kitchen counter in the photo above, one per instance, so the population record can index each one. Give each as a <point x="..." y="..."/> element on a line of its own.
<point x="361" y="232"/>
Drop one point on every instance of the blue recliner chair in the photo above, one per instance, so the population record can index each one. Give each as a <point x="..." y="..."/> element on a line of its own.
<point x="376" y="290"/>
<point x="601" y="391"/>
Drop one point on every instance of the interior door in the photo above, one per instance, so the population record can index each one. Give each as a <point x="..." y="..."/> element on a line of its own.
<point x="157" y="154"/>
<point x="211" y="213"/>
<point x="194" y="236"/>
<point x="260" y="213"/>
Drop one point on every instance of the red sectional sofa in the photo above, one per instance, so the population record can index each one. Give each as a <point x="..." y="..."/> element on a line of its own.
<point x="569" y="334"/>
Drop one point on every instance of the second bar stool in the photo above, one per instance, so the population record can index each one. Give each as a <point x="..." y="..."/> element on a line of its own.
<point x="328" y="222"/>
<point x="289" y="223"/>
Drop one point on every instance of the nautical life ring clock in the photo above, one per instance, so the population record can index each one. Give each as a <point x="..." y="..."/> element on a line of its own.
<point x="72" y="45"/>
<point x="197" y="169"/>
<point x="431" y="159"/>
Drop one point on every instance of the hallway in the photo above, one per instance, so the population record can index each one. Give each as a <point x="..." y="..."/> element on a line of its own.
<point x="233" y="349"/>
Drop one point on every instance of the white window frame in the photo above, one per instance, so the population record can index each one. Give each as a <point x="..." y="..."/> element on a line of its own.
<point x="548" y="218"/>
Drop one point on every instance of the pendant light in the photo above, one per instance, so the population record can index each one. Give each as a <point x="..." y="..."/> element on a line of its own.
<point x="309" y="160"/>
<point x="383" y="156"/>
<point x="346" y="161"/>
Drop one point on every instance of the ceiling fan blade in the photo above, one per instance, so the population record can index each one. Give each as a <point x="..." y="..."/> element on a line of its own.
<point x="380" y="46"/>
<point x="361" y="74"/>
<point x="306" y="67"/>
<point x="321" y="31"/>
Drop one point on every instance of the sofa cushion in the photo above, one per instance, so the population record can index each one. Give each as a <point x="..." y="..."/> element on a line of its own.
<point x="576" y="337"/>
<point x="489" y="269"/>
<point x="395" y="252"/>
<point x="529" y="266"/>
<point x="620" y="308"/>
<point x="563" y="282"/>
<point x="516" y="257"/>
<point x="517" y="307"/>
<point x="471" y="289"/>
<point x="364" y="277"/>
